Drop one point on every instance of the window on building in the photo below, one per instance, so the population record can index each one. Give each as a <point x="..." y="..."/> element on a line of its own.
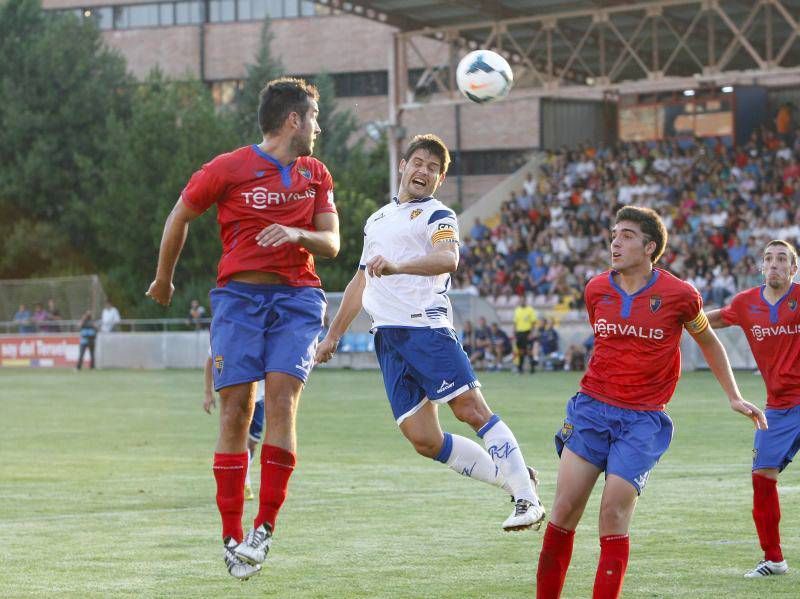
<point x="221" y="11"/>
<point x="166" y="14"/>
<point x="190" y="12"/>
<point x="103" y="16"/>
<point x="488" y="162"/>
<point x="187" y="13"/>
<point x="224" y="92"/>
<point x="143" y="15"/>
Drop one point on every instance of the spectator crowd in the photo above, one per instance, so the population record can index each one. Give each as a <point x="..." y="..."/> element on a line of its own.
<point x="720" y="204"/>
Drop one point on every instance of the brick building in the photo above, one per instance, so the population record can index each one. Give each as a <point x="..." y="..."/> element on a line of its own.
<point x="214" y="39"/>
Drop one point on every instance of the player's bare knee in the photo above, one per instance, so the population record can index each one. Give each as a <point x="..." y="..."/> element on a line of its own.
<point x="427" y="447"/>
<point x="281" y="406"/>
<point x="614" y="516"/>
<point x="471" y="409"/>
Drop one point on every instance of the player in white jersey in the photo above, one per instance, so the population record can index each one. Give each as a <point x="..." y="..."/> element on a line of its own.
<point x="410" y="249"/>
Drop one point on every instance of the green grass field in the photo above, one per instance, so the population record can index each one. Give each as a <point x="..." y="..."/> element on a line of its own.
<point x="106" y="490"/>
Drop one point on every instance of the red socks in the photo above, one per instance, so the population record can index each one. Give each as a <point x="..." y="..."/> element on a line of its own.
<point x="614" y="550"/>
<point x="229" y="471"/>
<point x="277" y="466"/>
<point x="767" y="516"/>
<point x="553" y="561"/>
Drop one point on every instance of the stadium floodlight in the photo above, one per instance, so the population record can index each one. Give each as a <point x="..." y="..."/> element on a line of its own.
<point x="688" y="92"/>
<point x="727" y="89"/>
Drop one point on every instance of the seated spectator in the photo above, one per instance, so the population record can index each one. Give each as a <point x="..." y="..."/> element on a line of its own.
<point x="53" y="316"/>
<point x="23" y="318"/>
<point x="479" y="231"/>
<point x="39" y="317"/>
<point x="575" y="358"/>
<point x="500" y="347"/>
<point x="723" y="287"/>
<point x="196" y="314"/>
<point x="483" y="344"/>
<point x="468" y="339"/>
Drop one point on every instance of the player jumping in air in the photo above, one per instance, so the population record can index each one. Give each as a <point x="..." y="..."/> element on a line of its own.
<point x="410" y="249"/>
<point x="275" y="211"/>
<point x="770" y="318"/>
<point x="616" y="423"/>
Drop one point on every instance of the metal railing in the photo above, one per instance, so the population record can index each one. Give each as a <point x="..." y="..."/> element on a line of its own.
<point x="128" y="325"/>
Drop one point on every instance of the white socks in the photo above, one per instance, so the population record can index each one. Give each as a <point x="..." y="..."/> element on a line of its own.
<point x="506" y="454"/>
<point x="470" y="459"/>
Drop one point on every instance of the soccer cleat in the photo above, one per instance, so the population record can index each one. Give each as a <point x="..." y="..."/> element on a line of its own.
<point x="248" y="493"/>
<point x="237" y="567"/>
<point x="768" y="568"/>
<point x="255" y="546"/>
<point x="526" y="514"/>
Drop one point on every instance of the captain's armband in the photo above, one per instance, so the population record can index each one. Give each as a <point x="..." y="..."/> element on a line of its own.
<point x="445" y="233"/>
<point x="698" y="325"/>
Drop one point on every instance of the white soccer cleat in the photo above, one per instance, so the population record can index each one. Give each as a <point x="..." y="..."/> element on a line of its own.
<point x="768" y="568"/>
<point x="526" y="514"/>
<point x="236" y="566"/>
<point x="255" y="546"/>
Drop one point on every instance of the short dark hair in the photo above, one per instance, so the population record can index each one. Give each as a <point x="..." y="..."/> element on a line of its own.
<point x="651" y="225"/>
<point x="281" y="97"/>
<point x="433" y="144"/>
<point x="786" y="244"/>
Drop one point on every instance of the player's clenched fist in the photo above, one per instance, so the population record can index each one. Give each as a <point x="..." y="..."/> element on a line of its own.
<point x="325" y="350"/>
<point x="161" y="292"/>
<point x="379" y="266"/>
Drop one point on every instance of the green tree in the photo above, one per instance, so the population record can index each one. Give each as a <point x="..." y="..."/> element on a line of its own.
<point x="58" y="86"/>
<point x="359" y="174"/>
<point x="173" y="129"/>
<point x="264" y="69"/>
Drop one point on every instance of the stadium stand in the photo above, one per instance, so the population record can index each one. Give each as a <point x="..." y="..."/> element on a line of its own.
<point x="720" y="203"/>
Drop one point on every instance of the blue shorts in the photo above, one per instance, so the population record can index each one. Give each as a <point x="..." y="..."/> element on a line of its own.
<point x="776" y="446"/>
<point x="263" y="328"/>
<point x="257" y="423"/>
<point x="421" y="364"/>
<point x="627" y="443"/>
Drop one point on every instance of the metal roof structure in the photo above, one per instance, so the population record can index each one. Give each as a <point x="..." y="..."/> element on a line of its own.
<point x="597" y="44"/>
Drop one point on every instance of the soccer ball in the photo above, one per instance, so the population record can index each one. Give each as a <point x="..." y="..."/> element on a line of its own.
<point x="484" y="76"/>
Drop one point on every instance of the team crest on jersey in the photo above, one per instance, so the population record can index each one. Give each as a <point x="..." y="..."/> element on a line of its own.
<point x="792" y="304"/>
<point x="566" y="431"/>
<point x="655" y="303"/>
<point x="304" y="171"/>
<point x="219" y="363"/>
<point x="415" y="213"/>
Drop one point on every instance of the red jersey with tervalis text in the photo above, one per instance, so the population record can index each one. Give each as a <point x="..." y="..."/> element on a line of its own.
<point x="637" y="360"/>
<point x="773" y="332"/>
<point x="253" y="190"/>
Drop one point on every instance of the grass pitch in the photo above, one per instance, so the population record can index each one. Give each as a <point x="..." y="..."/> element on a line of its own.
<point x="106" y="490"/>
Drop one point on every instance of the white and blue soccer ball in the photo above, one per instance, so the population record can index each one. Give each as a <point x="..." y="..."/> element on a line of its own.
<point x="484" y="76"/>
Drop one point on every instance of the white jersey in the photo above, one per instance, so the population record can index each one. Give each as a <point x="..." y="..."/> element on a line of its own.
<point x="404" y="233"/>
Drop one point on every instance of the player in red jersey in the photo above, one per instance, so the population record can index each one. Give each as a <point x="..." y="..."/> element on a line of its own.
<point x="616" y="423"/>
<point x="275" y="211"/>
<point x="770" y="318"/>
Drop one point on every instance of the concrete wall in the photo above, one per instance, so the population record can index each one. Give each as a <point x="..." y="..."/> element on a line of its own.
<point x="190" y="349"/>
